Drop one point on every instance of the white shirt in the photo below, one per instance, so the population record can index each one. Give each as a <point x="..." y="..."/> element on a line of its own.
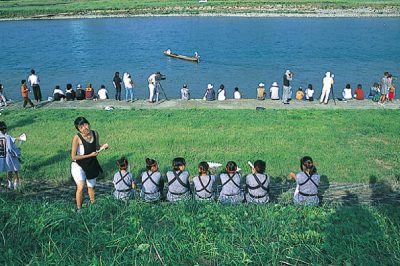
<point x="327" y="81"/>
<point x="33" y="79"/>
<point x="274" y="90"/>
<point x="128" y="82"/>
<point x="237" y="95"/>
<point x="58" y="91"/>
<point x="221" y="95"/>
<point x="347" y="94"/>
<point x="152" y="79"/>
<point x="309" y="93"/>
<point x="102" y="93"/>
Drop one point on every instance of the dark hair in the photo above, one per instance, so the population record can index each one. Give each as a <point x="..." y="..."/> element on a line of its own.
<point x="122" y="163"/>
<point x="116" y="74"/>
<point x="347" y="86"/>
<point x="310" y="86"/>
<point x="308" y="163"/>
<point x="57" y="87"/>
<point x="150" y="163"/>
<point x="231" y="166"/>
<point x="80" y="121"/>
<point x="3" y="126"/>
<point x="177" y="162"/>
<point x="102" y="86"/>
<point x="260" y="166"/>
<point x="203" y="167"/>
<point x="236" y="89"/>
<point x="69" y="86"/>
<point x="222" y="86"/>
<point x="23" y="81"/>
<point x="32" y="71"/>
<point x="359" y="86"/>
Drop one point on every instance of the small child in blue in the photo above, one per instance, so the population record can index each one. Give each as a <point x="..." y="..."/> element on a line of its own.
<point x="123" y="181"/>
<point x="152" y="183"/>
<point x="257" y="184"/>
<point x="203" y="184"/>
<point x="231" y="190"/>
<point x="178" y="181"/>
<point x="307" y="180"/>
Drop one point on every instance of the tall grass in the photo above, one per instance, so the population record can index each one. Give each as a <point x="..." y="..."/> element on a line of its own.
<point x="111" y="233"/>
<point x="17" y="8"/>
<point x="348" y="145"/>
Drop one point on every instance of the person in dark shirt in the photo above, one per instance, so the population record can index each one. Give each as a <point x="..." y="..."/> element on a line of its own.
<point x="80" y="93"/>
<point x="69" y="93"/>
<point x="287" y="90"/>
<point x="117" y="85"/>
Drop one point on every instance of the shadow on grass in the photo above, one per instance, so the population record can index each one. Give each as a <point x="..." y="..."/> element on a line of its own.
<point x="324" y="186"/>
<point x="38" y="164"/>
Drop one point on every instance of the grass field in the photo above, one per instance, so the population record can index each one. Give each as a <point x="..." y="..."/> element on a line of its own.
<point x="28" y="8"/>
<point x="349" y="146"/>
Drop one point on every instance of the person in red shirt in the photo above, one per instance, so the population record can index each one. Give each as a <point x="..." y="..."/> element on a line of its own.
<point x="359" y="93"/>
<point x="24" y="94"/>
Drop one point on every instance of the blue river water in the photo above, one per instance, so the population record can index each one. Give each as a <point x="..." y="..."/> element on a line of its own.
<point x="235" y="51"/>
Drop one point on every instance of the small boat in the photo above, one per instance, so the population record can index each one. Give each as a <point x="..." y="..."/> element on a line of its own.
<point x="183" y="57"/>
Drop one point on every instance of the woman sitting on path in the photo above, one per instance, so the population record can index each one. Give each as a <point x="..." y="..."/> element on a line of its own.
<point x="85" y="167"/>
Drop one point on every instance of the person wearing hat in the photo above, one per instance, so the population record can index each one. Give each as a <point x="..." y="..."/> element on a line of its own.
<point x="300" y="94"/>
<point x="80" y="93"/>
<point x="9" y="156"/>
<point x="287" y="90"/>
<point x="185" y="93"/>
<point x="210" y="93"/>
<point x="274" y="91"/>
<point x="261" y="91"/>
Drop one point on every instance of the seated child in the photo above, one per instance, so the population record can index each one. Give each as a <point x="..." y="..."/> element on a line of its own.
<point x="307" y="180"/>
<point x="9" y="157"/>
<point x="204" y="183"/>
<point x="123" y="181"/>
<point x="310" y="93"/>
<point x="231" y="191"/>
<point x="257" y="184"/>
<point x="178" y="181"/>
<point x="152" y="184"/>
<point x="300" y="94"/>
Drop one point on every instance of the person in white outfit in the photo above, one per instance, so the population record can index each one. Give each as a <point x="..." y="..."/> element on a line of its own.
<point x="152" y="86"/>
<point x="221" y="94"/>
<point x="236" y="94"/>
<point x="128" y="84"/>
<point x="274" y="91"/>
<point x="326" y="88"/>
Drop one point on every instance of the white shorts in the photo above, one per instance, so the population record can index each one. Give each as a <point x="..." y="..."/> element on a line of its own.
<point x="79" y="175"/>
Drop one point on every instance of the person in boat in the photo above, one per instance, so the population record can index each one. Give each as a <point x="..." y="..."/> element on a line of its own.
<point x="196" y="55"/>
<point x="185" y="93"/>
<point x="307" y="180"/>
<point x="210" y="93"/>
<point x="168" y="51"/>
<point x="261" y="91"/>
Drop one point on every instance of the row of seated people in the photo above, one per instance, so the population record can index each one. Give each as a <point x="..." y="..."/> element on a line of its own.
<point x="80" y="93"/>
<point x="227" y="188"/>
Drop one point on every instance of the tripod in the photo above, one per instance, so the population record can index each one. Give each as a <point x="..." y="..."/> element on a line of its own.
<point x="333" y="96"/>
<point x="159" y="89"/>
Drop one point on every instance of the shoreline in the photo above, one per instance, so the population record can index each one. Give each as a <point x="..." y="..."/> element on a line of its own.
<point x="230" y="104"/>
<point x="270" y="11"/>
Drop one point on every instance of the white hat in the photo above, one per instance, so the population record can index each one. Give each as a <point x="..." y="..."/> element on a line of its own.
<point x="210" y="86"/>
<point x="275" y="84"/>
<point x="79" y="86"/>
<point x="287" y="72"/>
<point x="261" y="84"/>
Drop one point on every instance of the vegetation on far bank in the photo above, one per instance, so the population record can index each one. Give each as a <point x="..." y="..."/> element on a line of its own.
<point x="32" y="8"/>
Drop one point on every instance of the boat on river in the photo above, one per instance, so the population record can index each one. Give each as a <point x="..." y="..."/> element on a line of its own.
<point x="183" y="57"/>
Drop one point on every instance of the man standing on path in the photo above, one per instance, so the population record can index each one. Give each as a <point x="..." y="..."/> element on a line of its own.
<point x="287" y="77"/>
<point x="326" y="88"/>
<point x="152" y="86"/>
<point x="33" y="80"/>
<point x="117" y="85"/>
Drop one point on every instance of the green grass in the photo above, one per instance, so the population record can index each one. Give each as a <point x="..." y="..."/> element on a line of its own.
<point x="348" y="145"/>
<point x="109" y="233"/>
<point x="26" y="8"/>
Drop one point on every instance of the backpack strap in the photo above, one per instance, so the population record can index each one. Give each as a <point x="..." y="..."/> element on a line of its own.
<point x="152" y="181"/>
<point x="259" y="185"/>
<point x="230" y="179"/>
<point x="307" y="180"/>
<point x="177" y="178"/>
<point x="204" y="188"/>
<point x="122" y="178"/>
